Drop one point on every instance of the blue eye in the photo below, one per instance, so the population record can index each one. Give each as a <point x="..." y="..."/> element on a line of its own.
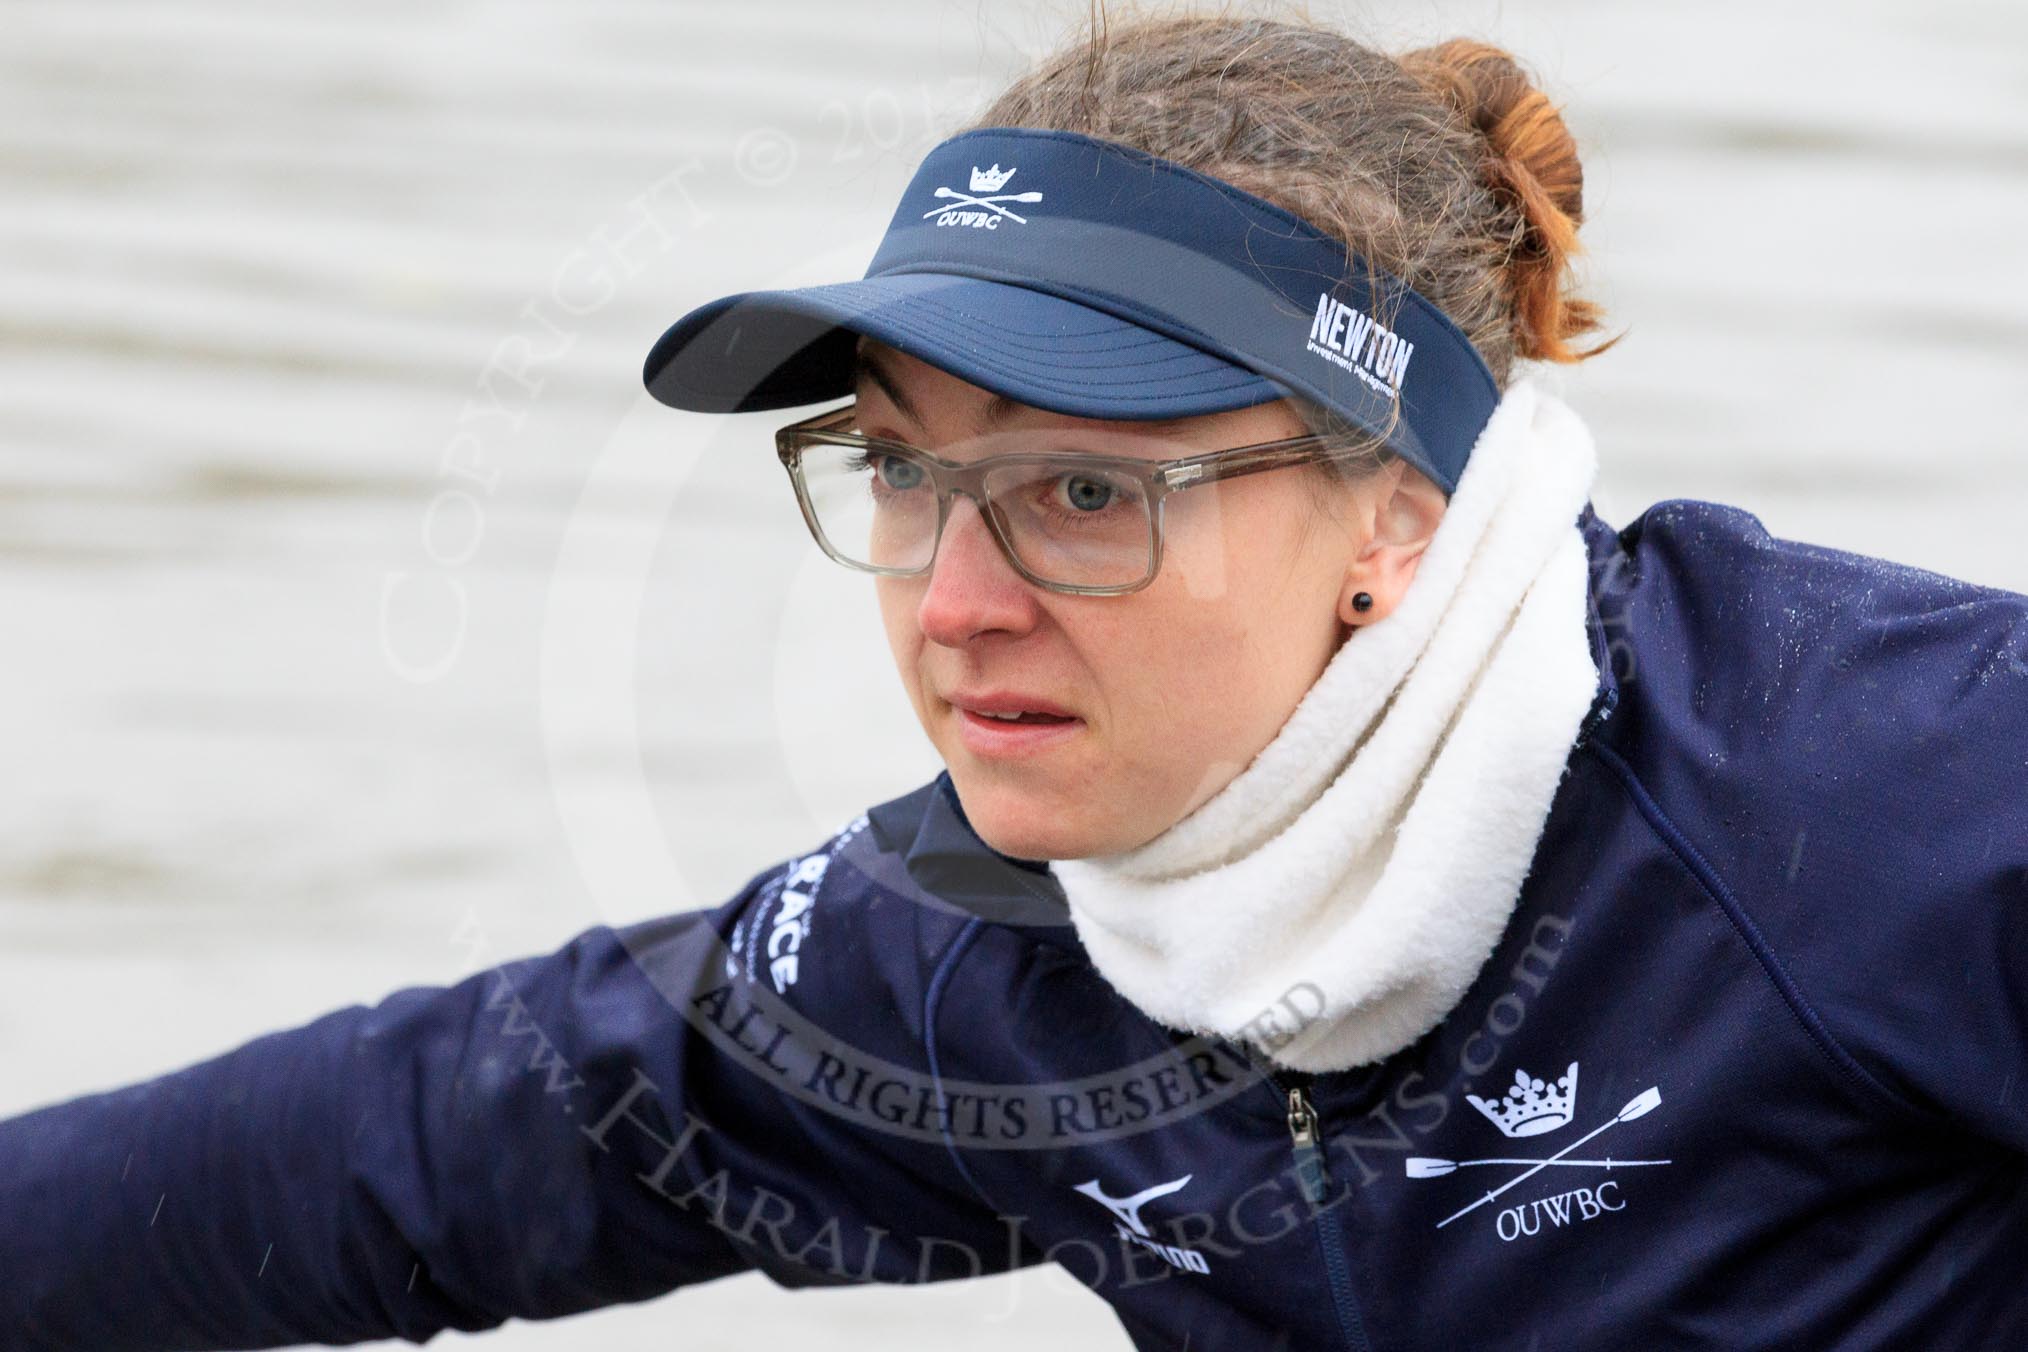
<point x="1089" y="501"/>
<point x="900" y="474"/>
<point x="890" y="472"/>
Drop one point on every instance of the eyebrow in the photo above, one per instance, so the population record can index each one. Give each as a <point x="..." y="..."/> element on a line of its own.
<point x="998" y="408"/>
<point x="872" y="365"/>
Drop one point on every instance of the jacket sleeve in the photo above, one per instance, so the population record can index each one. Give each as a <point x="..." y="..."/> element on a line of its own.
<point x="1907" y="830"/>
<point x="1851" y="737"/>
<point x="551" y="1135"/>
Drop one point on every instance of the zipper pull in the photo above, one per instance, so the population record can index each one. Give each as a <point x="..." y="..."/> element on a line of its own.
<point x="1310" y="1169"/>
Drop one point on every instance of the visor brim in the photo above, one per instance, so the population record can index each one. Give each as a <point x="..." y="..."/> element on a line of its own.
<point x="761" y="350"/>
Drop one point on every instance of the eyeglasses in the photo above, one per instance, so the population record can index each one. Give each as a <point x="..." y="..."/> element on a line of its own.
<point x="1069" y="521"/>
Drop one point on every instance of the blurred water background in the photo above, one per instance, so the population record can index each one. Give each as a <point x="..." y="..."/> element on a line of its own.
<point x="362" y="623"/>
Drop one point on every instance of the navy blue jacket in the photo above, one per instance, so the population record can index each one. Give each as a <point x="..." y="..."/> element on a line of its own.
<point x="1748" y="1069"/>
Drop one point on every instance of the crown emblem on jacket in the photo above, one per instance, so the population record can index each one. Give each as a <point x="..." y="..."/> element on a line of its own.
<point x="990" y="180"/>
<point x="1532" y="1107"/>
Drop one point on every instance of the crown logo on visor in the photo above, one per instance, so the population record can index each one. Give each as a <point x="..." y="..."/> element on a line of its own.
<point x="1532" y="1107"/>
<point x="982" y="212"/>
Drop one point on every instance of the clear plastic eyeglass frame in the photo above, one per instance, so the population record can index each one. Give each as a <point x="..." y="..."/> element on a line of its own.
<point x="1159" y="479"/>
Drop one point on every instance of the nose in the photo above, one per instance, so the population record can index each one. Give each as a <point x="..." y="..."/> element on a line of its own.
<point x="973" y="587"/>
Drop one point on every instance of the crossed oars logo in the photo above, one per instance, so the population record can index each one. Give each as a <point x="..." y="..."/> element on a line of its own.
<point x="1637" y="1106"/>
<point x="985" y="180"/>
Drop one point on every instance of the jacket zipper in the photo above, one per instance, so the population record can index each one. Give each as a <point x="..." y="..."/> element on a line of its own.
<point x="1315" y="1178"/>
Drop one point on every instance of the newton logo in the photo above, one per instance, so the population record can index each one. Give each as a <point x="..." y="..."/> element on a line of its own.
<point x="1360" y="344"/>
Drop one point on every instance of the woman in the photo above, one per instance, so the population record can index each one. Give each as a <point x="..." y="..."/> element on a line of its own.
<point x="1371" y="902"/>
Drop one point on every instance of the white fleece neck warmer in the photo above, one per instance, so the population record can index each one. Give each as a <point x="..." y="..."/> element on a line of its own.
<point x="1358" y="873"/>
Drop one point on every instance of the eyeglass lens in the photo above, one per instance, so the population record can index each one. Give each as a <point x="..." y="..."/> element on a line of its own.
<point x="1085" y="526"/>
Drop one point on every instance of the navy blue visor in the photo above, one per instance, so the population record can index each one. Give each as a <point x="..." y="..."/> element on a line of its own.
<point x="1089" y="278"/>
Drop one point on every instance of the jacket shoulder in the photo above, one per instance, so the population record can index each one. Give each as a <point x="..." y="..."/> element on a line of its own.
<point x="1754" y="650"/>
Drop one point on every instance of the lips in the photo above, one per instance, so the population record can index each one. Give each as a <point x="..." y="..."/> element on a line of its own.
<point x="1015" y="739"/>
<point x="1035" y="728"/>
<point x="1027" y="708"/>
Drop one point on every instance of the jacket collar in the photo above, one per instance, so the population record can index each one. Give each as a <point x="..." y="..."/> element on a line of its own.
<point x="946" y="858"/>
<point x="1608" y="561"/>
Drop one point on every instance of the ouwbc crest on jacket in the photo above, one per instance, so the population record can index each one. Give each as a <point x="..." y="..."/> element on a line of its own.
<point x="1110" y="283"/>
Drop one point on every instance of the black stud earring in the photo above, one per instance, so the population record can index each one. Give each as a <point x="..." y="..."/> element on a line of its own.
<point x="1362" y="600"/>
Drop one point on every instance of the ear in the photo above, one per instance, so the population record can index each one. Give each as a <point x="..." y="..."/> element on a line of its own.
<point x="1399" y="510"/>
